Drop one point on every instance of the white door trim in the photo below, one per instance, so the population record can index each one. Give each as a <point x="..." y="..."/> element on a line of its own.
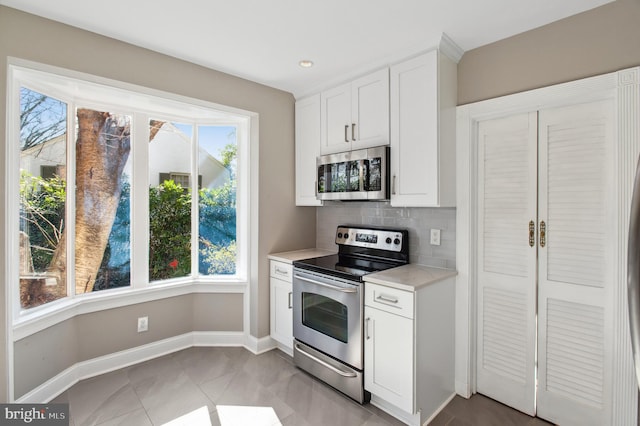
<point x="624" y="87"/>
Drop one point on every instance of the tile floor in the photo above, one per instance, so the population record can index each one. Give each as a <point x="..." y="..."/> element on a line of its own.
<point x="197" y="381"/>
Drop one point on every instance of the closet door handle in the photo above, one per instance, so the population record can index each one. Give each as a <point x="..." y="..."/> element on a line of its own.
<point x="532" y="233"/>
<point x="290" y="301"/>
<point x="353" y="131"/>
<point x="543" y="233"/>
<point x="346" y="129"/>
<point x="393" y="186"/>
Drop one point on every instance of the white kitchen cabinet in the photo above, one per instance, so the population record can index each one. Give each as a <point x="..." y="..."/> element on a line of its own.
<point x="307" y="149"/>
<point x="422" y="131"/>
<point x="389" y="346"/>
<point x="281" y="315"/>
<point x="409" y="345"/>
<point x="355" y="115"/>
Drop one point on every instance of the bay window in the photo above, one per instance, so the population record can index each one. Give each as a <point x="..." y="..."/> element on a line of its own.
<point x="120" y="190"/>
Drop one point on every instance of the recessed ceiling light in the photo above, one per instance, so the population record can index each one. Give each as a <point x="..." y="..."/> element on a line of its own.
<point x="305" y="63"/>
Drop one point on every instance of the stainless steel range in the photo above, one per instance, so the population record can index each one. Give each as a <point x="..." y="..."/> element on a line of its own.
<point x="328" y="304"/>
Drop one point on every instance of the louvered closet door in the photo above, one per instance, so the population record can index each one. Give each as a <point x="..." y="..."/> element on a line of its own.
<point x="575" y="265"/>
<point x="506" y="262"/>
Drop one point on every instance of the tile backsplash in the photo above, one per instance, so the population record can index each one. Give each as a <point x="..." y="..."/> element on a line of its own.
<point x="418" y="220"/>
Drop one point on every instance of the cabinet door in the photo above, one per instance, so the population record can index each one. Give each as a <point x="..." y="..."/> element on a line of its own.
<point x="370" y="110"/>
<point x="282" y="311"/>
<point x="335" y="119"/>
<point x="307" y="149"/>
<point x="576" y="275"/>
<point x="506" y="342"/>
<point x="389" y="358"/>
<point x="414" y="132"/>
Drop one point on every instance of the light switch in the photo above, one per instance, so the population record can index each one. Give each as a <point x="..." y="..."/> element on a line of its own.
<point x="435" y="237"/>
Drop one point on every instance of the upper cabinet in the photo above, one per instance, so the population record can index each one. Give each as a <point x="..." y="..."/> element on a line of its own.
<point x="355" y="115"/>
<point x="423" y="118"/>
<point x="410" y="106"/>
<point x="307" y="149"/>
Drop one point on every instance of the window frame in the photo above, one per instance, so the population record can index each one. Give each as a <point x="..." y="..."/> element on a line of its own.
<point x="68" y="86"/>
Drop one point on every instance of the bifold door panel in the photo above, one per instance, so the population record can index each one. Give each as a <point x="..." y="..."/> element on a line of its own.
<point x="575" y="276"/>
<point x="506" y="262"/>
<point x="545" y="253"/>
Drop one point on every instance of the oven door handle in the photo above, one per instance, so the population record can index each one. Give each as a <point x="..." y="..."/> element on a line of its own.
<point x="324" y="363"/>
<point x="332" y="287"/>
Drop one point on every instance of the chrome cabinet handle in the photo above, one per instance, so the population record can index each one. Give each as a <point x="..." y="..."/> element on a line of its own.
<point x="325" y="364"/>
<point x="532" y="233"/>
<point x="346" y="129"/>
<point x="543" y="233"/>
<point x="332" y="287"/>
<point x="353" y="131"/>
<point x="290" y="300"/>
<point x="393" y="186"/>
<point x="366" y="326"/>
<point x="386" y="298"/>
<point x="281" y="271"/>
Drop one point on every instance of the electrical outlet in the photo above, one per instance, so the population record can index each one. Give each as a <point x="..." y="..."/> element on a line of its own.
<point x="143" y="324"/>
<point x="435" y="237"/>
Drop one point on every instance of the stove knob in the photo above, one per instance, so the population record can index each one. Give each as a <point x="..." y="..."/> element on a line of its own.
<point x="396" y="241"/>
<point x="339" y="234"/>
<point x="346" y="236"/>
<point x="388" y="240"/>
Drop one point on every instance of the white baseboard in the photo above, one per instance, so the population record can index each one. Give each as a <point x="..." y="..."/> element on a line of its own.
<point x="104" y="364"/>
<point x="408" y="418"/>
<point x="258" y="346"/>
<point x="440" y="408"/>
<point x="403" y="416"/>
<point x="463" y="389"/>
<point x="219" y="338"/>
<point x="286" y="349"/>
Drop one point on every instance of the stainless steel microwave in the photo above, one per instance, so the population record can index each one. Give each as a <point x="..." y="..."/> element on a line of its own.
<point x="354" y="175"/>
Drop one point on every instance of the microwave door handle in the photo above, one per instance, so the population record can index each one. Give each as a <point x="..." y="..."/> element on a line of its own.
<point x="362" y="166"/>
<point x="332" y="287"/>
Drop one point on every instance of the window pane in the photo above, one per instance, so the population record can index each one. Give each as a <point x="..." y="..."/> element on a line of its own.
<point x="217" y="200"/>
<point x="103" y="253"/>
<point x="43" y="135"/>
<point x="169" y="200"/>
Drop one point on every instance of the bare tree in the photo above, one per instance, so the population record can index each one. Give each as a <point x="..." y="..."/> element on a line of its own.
<point x="42" y="118"/>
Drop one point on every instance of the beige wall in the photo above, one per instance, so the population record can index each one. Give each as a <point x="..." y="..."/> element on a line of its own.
<point x="282" y="226"/>
<point x="598" y="41"/>
<point x="49" y="352"/>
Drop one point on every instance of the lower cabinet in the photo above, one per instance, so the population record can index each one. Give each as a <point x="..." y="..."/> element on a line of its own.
<point x="281" y="296"/>
<point x="409" y="349"/>
<point x="389" y="357"/>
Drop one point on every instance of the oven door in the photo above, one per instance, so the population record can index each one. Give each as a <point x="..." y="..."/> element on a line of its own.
<point x="327" y="315"/>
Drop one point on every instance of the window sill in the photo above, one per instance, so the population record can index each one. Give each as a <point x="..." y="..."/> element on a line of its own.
<point x="42" y="317"/>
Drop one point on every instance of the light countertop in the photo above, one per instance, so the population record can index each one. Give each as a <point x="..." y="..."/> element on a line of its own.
<point x="292" y="256"/>
<point x="410" y="277"/>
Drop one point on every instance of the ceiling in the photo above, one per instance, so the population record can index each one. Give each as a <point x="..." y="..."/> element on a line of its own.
<point x="263" y="40"/>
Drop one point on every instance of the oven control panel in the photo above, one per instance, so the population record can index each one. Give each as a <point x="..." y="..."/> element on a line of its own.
<point x="382" y="239"/>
